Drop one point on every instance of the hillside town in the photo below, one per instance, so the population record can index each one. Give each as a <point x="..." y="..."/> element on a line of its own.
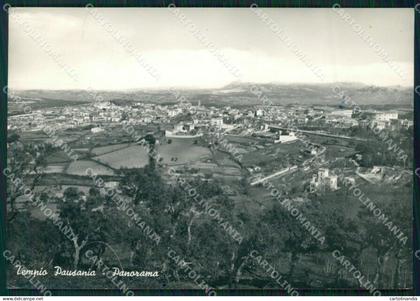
<point x="310" y="153"/>
<point x="246" y="121"/>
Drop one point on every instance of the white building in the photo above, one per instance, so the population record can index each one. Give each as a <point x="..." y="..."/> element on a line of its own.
<point x="96" y="130"/>
<point x="324" y="180"/>
<point x="381" y="124"/>
<point x="217" y="122"/>
<point x="286" y="138"/>
<point x="385" y="116"/>
<point x="259" y="112"/>
<point x="342" y="113"/>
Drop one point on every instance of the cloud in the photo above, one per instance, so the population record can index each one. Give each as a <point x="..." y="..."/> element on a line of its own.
<point x="101" y="62"/>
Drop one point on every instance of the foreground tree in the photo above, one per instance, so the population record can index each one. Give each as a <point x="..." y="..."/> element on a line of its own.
<point x="87" y="225"/>
<point x="25" y="163"/>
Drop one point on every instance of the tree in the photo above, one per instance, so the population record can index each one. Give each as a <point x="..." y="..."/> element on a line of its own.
<point x="342" y="233"/>
<point x="85" y="224"/>
<point x="294" y="237"/>
<point x="381" y="238"/>
<point x="26" y="162"/>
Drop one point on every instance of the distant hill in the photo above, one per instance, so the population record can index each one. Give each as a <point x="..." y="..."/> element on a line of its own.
<point x="325" y="94"/>
<point x="236" y="94"/>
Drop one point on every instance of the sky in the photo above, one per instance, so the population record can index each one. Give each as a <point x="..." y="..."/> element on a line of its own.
<point x="153" y="48"/>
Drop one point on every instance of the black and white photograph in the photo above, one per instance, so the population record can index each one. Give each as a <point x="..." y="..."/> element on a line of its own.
<point x="209" y="149"/>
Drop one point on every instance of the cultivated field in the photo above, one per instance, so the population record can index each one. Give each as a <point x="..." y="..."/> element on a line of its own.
<point x="108" y="149"/>
<point x="182" y="151"/>
<point x="79" y="168"/>
<point x="133" y="157"/>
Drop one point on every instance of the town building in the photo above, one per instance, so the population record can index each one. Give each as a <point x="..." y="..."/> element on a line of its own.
<point x="323" y="180"/>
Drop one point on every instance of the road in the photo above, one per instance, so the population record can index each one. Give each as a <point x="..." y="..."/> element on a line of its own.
<point x="294" y="167"/>
<point x="279" y="173"/>
<point x="317" y="133"/>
